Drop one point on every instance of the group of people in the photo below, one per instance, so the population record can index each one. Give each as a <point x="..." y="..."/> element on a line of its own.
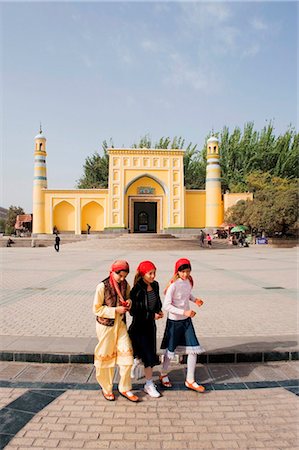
<point x="206" y="237"/>
<point x="128" y="348"/>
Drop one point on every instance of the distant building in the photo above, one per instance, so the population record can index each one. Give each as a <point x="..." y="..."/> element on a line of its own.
<point x="146" y="194"/>
<point x="3" y="213"/>
<point x="23" y="223"/>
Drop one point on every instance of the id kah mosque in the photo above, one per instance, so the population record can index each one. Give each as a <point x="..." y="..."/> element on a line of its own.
<point x="146" y="194"/>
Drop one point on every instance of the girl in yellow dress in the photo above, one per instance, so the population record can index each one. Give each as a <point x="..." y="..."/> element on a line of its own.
<point x="111" y="302"/>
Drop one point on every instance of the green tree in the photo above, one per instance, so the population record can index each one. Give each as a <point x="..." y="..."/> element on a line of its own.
<point x="2" y="225"/>
<point x="96" y="168"/>
<point x="236" y="214"/>
<point x="274" y="207"/>
<point x="13" y="212"/>
<point x="241" y="153"/>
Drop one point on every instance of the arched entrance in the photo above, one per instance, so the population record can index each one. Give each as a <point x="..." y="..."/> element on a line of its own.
<point x="92" y="214"/>
<point x="145" y="217"/>
<point x="146" y="204"/>
<point x="64" y="217"/>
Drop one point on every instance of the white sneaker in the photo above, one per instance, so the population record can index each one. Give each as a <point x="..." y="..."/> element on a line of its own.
<point x="151" y="390"/>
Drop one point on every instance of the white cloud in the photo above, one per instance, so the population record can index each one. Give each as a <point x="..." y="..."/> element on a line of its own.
<point x="228" y="37"/>
<point x="87" y="61"/>
<point x="217" y="11"/>
<point x="122" y="51"/>
<point x="251" y="51"/>
<point x="149" y="45"/>
<point x="205" y="15"/>
<point x="198" y="77"/>
<point x="258" y="24"/>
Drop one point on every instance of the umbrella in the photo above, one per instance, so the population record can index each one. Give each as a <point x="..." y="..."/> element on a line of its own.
<point x="239" y="228"/>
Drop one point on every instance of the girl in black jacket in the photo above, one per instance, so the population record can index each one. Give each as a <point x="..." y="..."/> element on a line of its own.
<point x="146" y="308"/>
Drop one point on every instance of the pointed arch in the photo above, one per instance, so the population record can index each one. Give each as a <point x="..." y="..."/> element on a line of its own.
<point x="92" y="214"/>
<point x="148" y="175"/>
<point x="64" y="216"/>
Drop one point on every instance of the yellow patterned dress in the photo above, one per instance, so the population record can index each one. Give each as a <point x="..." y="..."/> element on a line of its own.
<point x="114" y="346"/>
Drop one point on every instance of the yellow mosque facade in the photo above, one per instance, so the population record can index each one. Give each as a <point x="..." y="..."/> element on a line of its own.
<point x="146" y="194"/>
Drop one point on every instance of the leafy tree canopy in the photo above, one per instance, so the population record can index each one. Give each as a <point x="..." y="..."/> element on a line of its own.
<point x="274" y="207"/>
<point x="242" y="152"/>
<point x="96" y="167"/>
<point x="12" y="214"/>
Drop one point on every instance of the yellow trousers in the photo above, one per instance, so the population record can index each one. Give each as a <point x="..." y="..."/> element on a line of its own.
<point x="105" y="378"/>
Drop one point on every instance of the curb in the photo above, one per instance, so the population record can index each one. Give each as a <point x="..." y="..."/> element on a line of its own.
<point x="206" y="358"/>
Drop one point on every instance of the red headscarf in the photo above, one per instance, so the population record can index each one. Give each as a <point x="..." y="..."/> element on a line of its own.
<point x="183" y="262"/>
<point x="145" y="266"/>
<point x="119" y="265"/>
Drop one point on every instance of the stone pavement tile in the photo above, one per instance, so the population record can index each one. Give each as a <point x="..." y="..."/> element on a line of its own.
<point x="79" y="373"/>
<point x="256" y="371"/>
<point x="7" y="341"/>
<point x="32" y="372"/>
<point x="8" y="395"/>
<point x="92" y="379"/>
<point x="55" y="372"/>
<point x="222" y="373"/>
<point x="288" y="370"/>
<point x="12" y="370"/>
<point x="228" y="427"/>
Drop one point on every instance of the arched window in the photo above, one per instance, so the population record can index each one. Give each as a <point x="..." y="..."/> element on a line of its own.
<point x="40" y="146"/>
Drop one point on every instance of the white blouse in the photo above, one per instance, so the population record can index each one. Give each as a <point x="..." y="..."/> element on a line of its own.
<point x="177" y="298"/>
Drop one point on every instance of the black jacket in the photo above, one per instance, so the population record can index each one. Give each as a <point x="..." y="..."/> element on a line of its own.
<point x="140" y="310"/>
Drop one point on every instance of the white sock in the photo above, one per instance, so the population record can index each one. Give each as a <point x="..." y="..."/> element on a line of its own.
<point x="191" y="364"/>
<point x="149" y="382"/>
<point x="166" y="362"/>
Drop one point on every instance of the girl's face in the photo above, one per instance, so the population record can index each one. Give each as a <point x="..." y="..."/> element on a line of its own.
<point x="119" y="275"/>
<point x="149" y="276"/>
<point x="184" y="274"/>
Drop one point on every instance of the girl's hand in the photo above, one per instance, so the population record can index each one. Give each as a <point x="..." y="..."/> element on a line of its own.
<point x="198" y="302"/>
<point x="159" y="315"/>
<point x="189" y="313"/>
<point x="121" y="309"/>
<point x="129" y="304"/>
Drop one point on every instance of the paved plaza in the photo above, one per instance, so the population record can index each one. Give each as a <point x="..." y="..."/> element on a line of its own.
<point x="250" y="307"/>
<point x="246" y="406"/>
<point x="249" y="294"/>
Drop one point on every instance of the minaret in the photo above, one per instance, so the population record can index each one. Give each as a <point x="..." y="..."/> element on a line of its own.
<point x="39" y="183"/>
<point x="213" y="185"/>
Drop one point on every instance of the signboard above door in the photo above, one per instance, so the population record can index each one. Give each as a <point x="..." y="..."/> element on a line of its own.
<point x="146" y="190"/>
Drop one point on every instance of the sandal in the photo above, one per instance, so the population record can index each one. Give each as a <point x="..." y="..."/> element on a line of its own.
<point x="109" y="396"/>
<point x="195" y="387"/>
<point x="164" y="380"/>
<point x="130" y="396"/>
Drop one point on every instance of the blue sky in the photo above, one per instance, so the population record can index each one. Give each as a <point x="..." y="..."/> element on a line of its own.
<point x="91" y="71"/>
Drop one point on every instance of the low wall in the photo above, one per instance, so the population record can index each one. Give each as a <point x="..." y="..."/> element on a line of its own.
<point x="283" y="243"/>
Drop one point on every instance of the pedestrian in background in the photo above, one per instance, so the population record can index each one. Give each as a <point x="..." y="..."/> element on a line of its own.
<point x="202" y="239"/>
<point x="146" y="309"/>
<point x="209" y="240"/>
<point x="57" y="243"/>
